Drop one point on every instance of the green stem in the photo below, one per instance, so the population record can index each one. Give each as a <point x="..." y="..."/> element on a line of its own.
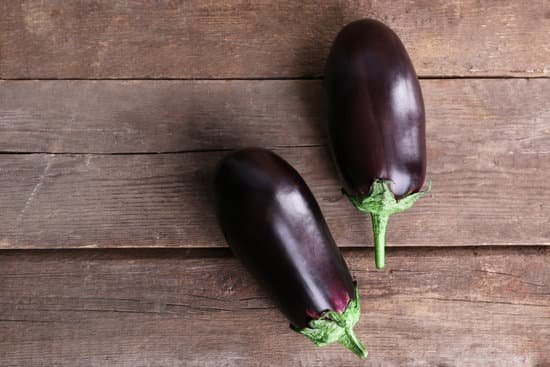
<point x="380" y="203"/>
<point x="350" y="341"/>
<point x="336" y="327"/>
<point x="379" y="225"/>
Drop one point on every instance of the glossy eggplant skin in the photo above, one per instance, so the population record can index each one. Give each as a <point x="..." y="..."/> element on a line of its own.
<point x="376" y="111"/>
<point x="274" y="225"/>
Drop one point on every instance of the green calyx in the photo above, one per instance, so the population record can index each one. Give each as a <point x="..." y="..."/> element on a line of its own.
<point x="380" y="203"/>
<point x="338" y="327"/>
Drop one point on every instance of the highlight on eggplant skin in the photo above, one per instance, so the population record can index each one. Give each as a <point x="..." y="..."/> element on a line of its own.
<point x="376" y="122"/>
<point x="273" y="223"/>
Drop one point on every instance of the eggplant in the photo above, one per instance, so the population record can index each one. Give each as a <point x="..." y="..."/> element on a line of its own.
<point x="376" y="123"/>
<point x="273" y="223"/>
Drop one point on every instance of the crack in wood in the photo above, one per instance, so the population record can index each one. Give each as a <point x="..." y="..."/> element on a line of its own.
<point x="30" y="321"/>
<point x="35" y="190"/>
<point x="484" y="301"/>
<point x="509" y="275"/>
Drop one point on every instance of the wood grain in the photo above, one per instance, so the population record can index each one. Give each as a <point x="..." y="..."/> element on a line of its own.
<point x="465" y="117"/>
<point x="489" y="150"/>
<point x="156" y="116"/>
<point x="452" y="307"/>
<point x="242" y="39"/>
<point x="487" y="197"/>
<point x="79" y="169"/>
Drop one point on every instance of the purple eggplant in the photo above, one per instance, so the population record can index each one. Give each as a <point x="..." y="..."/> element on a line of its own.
<point x="376" y="123"/>
<point x="274" y="225"/>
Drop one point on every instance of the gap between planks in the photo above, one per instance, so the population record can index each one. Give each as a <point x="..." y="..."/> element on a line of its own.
<point x="226" y="252"/>
<point x="257" y="78"/>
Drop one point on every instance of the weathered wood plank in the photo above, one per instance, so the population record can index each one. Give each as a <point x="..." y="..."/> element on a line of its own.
<point x="464" y="116"/>
<point x="156" y="116"/>
<point x="485" y="138"/>
<point x="487" y="197"/>
<point x="235" y="38"/>
<point x="452" y="307"/>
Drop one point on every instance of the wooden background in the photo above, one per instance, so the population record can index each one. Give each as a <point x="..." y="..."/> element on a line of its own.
<point x="114" y="113"/>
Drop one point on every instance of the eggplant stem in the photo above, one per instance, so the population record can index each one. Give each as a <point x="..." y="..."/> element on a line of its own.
<point x="379" y="225"/>
<point x="335" y="327"/>
<point x="350" y="341"/>
<point x="381" y="203"/>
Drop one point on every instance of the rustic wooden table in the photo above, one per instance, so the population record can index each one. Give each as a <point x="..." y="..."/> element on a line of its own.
<point x="113" y="114"/>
